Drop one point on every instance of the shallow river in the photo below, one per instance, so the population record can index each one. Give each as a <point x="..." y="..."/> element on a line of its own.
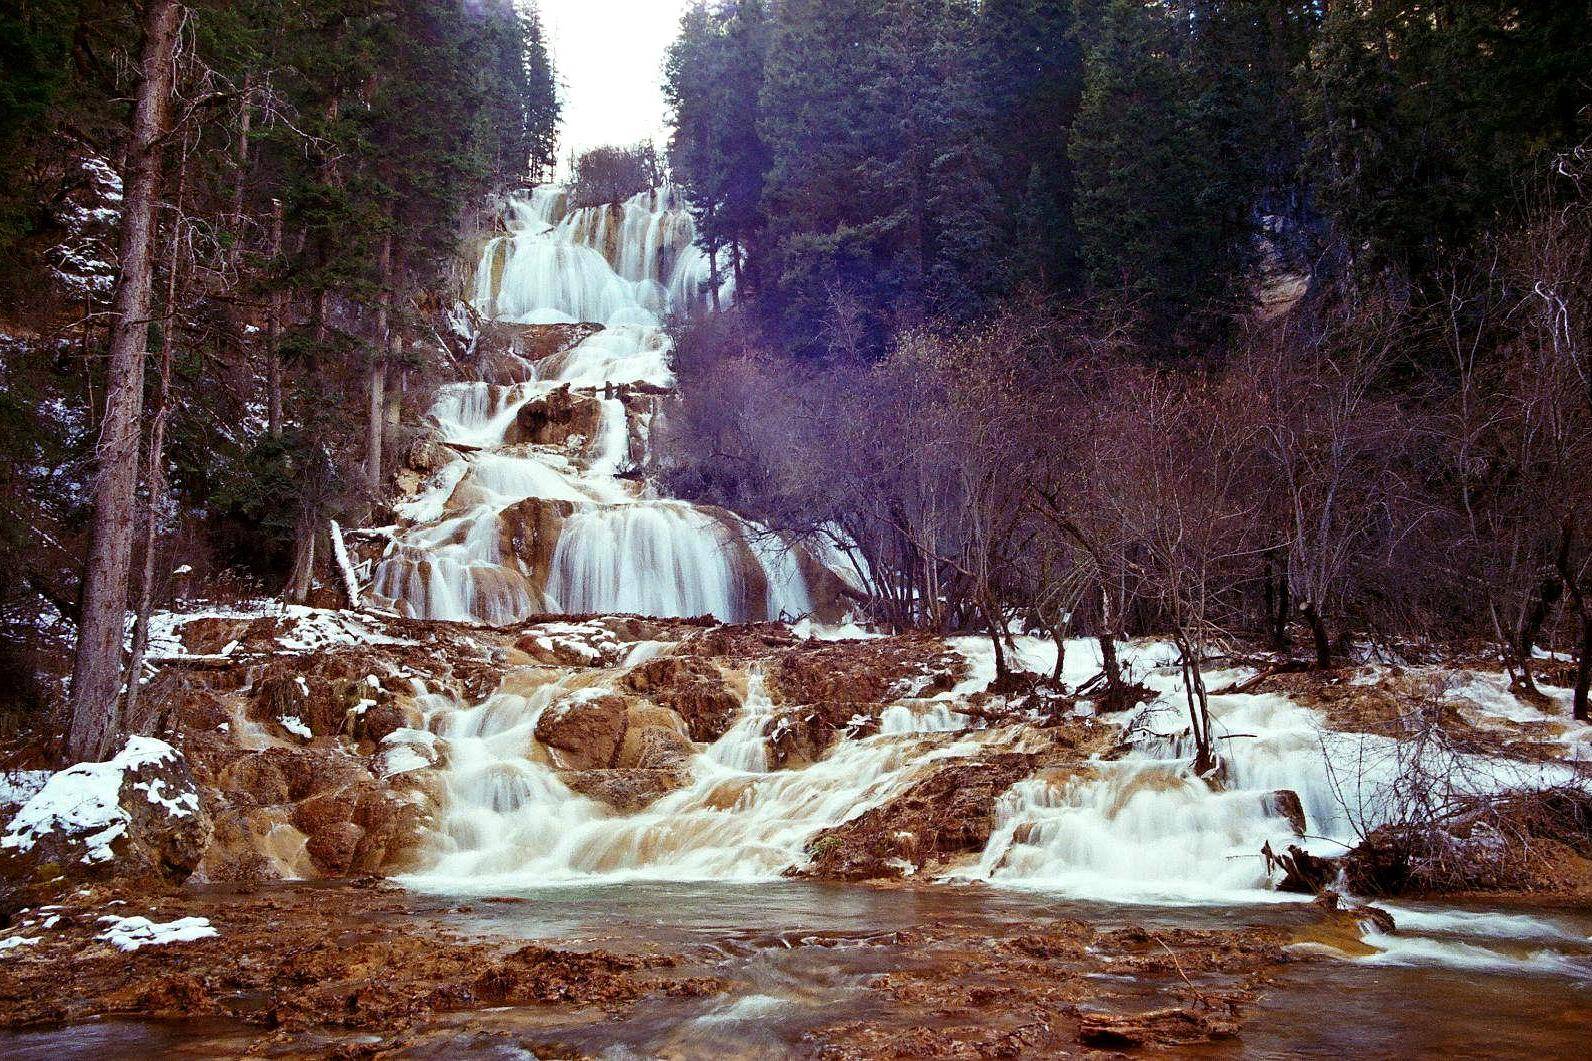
<point x="1458" y="982"/>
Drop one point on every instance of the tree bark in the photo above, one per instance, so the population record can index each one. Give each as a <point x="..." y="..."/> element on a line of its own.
<point x="302" y="578"/>
<point x="377" y="424"/>
<point x="155" y="473"/>
<point x="1581" y="699"/>
<point x="240" y="177"/>
<point x="1109" y="664"/>
<point x="273" y="332"/>
<point x="1318" y="634"/>
<point x="97" y="669"/>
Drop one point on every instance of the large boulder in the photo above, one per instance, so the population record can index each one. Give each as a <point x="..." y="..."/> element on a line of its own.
<point x="693" y="688"/>
<point x="554" y="419"/>
<point x="601" y="730"/>
<point x="801" y="735"/>
<point x="585" y="732"/>
<point x="950" y="813"/>
<point x="136" y="815"/>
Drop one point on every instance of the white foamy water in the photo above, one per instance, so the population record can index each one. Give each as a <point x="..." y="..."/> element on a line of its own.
<point x="509" y="821"/>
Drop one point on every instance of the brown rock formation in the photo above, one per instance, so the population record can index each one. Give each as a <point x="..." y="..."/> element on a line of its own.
<point x="551" y="420"/>
<point x="950" y="813"/>
<point x="614" y="732"/>
<point x="627" y="791"/>
<point x="694" y="688"/>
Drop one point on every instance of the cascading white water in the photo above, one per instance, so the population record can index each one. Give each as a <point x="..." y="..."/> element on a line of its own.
<point x="618" y="548"/>
<point x="617" y="264"/>
<point x="1139" y="827"/>
<point x="510" y="821"/>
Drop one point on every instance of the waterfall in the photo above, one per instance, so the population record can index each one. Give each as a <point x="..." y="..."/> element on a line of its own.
<point x="510" y="821"/>
<point x="617" y="264"/>
<point x="509" y="528"/>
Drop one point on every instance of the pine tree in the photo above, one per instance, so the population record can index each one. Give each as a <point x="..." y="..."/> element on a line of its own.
<point x="1422" y="116"/>
<point x="1030" y="67"/>
<point x="1171" y="159"/>
<point x="97" y="668"/>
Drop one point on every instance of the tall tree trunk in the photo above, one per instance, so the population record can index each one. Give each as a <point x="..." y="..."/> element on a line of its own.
<point x="1535" y="612"/>
<point x="377" y="424"/>
<point x="301" y="580"/>
<point x="1109" y="664"/>
<point x="713" y="278"/>
<point x="240" y="177"/>
<point x="97" y="669"/>
<point x="1581" y="708"/>
<point x="997" y="634"/>
<point x="1277" y="607"/>
<point x="1581" y="699"/>
<point x="1318" y="633"/>
<point x="273" y="332"/>
<point x="155" y="473"/>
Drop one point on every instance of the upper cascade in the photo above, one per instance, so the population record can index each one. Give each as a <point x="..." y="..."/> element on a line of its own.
<point x="534" y="504"/>
<point x="630" y="263"/>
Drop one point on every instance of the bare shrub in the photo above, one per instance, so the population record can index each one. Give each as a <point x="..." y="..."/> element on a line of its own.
<point x="613" y="174"/>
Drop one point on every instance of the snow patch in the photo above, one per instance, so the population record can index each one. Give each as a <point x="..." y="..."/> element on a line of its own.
<point x="130" y="933"/>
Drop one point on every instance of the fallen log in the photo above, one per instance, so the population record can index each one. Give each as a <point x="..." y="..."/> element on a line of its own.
<point x="1249" y="685"/>
<point x="1175" y="1025"/>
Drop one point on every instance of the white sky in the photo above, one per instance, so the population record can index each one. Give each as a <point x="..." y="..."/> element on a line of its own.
<point x="609" y="58"/>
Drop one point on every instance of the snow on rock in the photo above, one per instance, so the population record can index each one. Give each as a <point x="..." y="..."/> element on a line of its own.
<point x="406" y="749"/>
<point x="296" y="726"/>
<point x="84" y="800"/>
<point x="130" y="933"/>
<point x="141" y="807"/>
<point x="19" y="786"/>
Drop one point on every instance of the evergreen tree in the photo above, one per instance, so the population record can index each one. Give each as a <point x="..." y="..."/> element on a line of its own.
<point x="1030" y="68"/>
<point x="1422" y="116"/>
<point x="1170" y="164"/>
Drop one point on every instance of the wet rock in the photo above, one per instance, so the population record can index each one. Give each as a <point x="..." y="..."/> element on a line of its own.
<point x="378" y="722"/>
<point x="799" y="736"/>
<point x="356" y="829"/>
<point x="507" y="353"/>
<point x="1285" y="803"/>
<point x="585" y="733"/>
<point x="625" y="790"/>
<point x="950" y="813"/>
<point x="252" y="844"/>
<point x="428" y="454"/>
<point x="528" y="530"/>
<point x="692" y="687"/>
<point x="553" y="419"/>
<point x="655" y="738"/>
<point x="138" y="815"/>
<point x="322" y="693"/>
<point x="263" y="777"/>
<point x="875" y="670"/>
